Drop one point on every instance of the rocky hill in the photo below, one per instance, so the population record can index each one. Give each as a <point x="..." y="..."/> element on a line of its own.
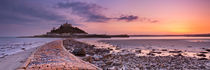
<point x="67" y="28"/>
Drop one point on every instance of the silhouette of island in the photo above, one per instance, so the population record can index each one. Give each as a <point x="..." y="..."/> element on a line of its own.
<point x="67" y="28"/>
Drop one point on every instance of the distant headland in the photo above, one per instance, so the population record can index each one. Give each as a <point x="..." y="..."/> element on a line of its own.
<point x="66" y="30"/>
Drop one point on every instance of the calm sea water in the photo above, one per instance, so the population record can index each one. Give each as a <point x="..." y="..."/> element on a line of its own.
<point x="136" y="38"/>
<point x="190" y="46"/>
<point x="12" y="45"/>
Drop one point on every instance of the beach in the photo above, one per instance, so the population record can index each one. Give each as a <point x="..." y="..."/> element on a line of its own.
<point x="113" y="54"/>
<point x="151" y="54"/>
<point x="15" y="61"/>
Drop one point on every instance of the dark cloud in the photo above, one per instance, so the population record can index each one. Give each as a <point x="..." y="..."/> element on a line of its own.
<point x="128" y="18"/>
<point x="150" y="20"/>
<point x="14" y="11"/>
<point x="91" y="12"/>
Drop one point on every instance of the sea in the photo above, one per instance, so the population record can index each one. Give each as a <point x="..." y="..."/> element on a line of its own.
<point x="189" y="46"/>
<point x="12" y="45"/>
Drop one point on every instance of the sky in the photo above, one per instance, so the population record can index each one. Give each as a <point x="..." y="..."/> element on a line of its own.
<point x="153" y="17"/>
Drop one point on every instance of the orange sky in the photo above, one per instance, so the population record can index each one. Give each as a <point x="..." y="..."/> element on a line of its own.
<point x="175" y="17"/>
<point x="34" y="17"/>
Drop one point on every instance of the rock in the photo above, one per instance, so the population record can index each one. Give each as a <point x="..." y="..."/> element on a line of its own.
<point x="164" y="50"/>
<point x="89" y="59"/>
<point x="202" y="59"/>
<point x="101" y="50"/>
<point x="23" y="49"/>
<point x="108" y="62"/>
<point x="202" y="55"/>
<point x="117" y="48"/>
<point x="178" y="55"/>
<point x="110" y="49"/>
<point x="208" y="50"/>
<point x="97" y="57"/>
<point x="156" y="52"/>
<point x="203" y="52"/>
<point x="107" y="56"/>
<point x="138" y="51"/>
<point x="79" y="52"/>
<point x="202" y="67"/>
<point x="112" y="68"/>
<point x="90" y="52"/>
<point x="175" y="51"/>
<point x="151" y="54"/>
<point x="117" y="63"/>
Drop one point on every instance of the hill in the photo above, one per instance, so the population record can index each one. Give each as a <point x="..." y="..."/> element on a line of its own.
<point x="67" y="28"/>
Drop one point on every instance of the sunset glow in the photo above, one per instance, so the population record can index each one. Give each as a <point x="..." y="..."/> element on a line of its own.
<point x="107" y="16"/>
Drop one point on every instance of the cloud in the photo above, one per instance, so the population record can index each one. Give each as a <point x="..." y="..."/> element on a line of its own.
<point x="18" y="11"/>
<point x="150" y="20"/>
<point x="91" y="12"/>
<point x="128" y="18"/>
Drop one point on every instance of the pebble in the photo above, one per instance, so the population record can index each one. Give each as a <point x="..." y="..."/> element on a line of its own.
<point x="129" y="61"/>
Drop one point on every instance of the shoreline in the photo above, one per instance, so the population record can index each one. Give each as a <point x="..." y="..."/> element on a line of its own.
<point x="121" y="58"/>
<point x="14" y="61"/>
<point x="107" y="56"/>
<point x="54" y="56"/>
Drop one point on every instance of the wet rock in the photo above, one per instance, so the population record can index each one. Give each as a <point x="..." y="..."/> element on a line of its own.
<point x="107" y="56"/>
<point x="89" y="59"/>
<point x="203" y="52"/>
<point x="117" y="63"/>
<point x="90" y="52"/>
<point x="202" y="59"/>
<point x="110" y="49"/>
<point x="112" y="68"/>
<point x="97" y="57"/>
<point x="178" y="55"/>
<point x="101" y="50"/>
<point x="23" y="49"/>
<point x="151" y="54"/>
<point x="202" y="55"/>
<point x="202" y="67"/>
<point x="108" y="62"/>
<point x="138" y="51"/>
<point x="79" y="52"/>
<point x="164" y="50"/>
<point x="117" y="48"/>
<point x="208" y="50"/>
<point x="175" y="51"/>
<point x="156" y="52"/>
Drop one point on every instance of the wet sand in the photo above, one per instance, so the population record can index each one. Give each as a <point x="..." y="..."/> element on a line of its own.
<point x="188" y="47"/>
<point x="149" y="54"/>
<point x="12" y="62"/>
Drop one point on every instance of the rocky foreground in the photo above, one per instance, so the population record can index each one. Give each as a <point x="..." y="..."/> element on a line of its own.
<point x="114" y="58"/>
<point x="53" y="56"/>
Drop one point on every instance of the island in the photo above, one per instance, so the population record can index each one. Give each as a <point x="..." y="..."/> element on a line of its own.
<point x="66" y="30"/>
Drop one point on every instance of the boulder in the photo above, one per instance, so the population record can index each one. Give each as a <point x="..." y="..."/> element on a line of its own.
<point x="208" y="50"/>
<point x="138" y="51"/>
<point x="79" y="52"/>
<point x="175" y="51"/>
<point x="164" y="50"/>
<point x="89" y="59"/>
<point x="202" y="59"/>
<point x="202" y="55"/>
